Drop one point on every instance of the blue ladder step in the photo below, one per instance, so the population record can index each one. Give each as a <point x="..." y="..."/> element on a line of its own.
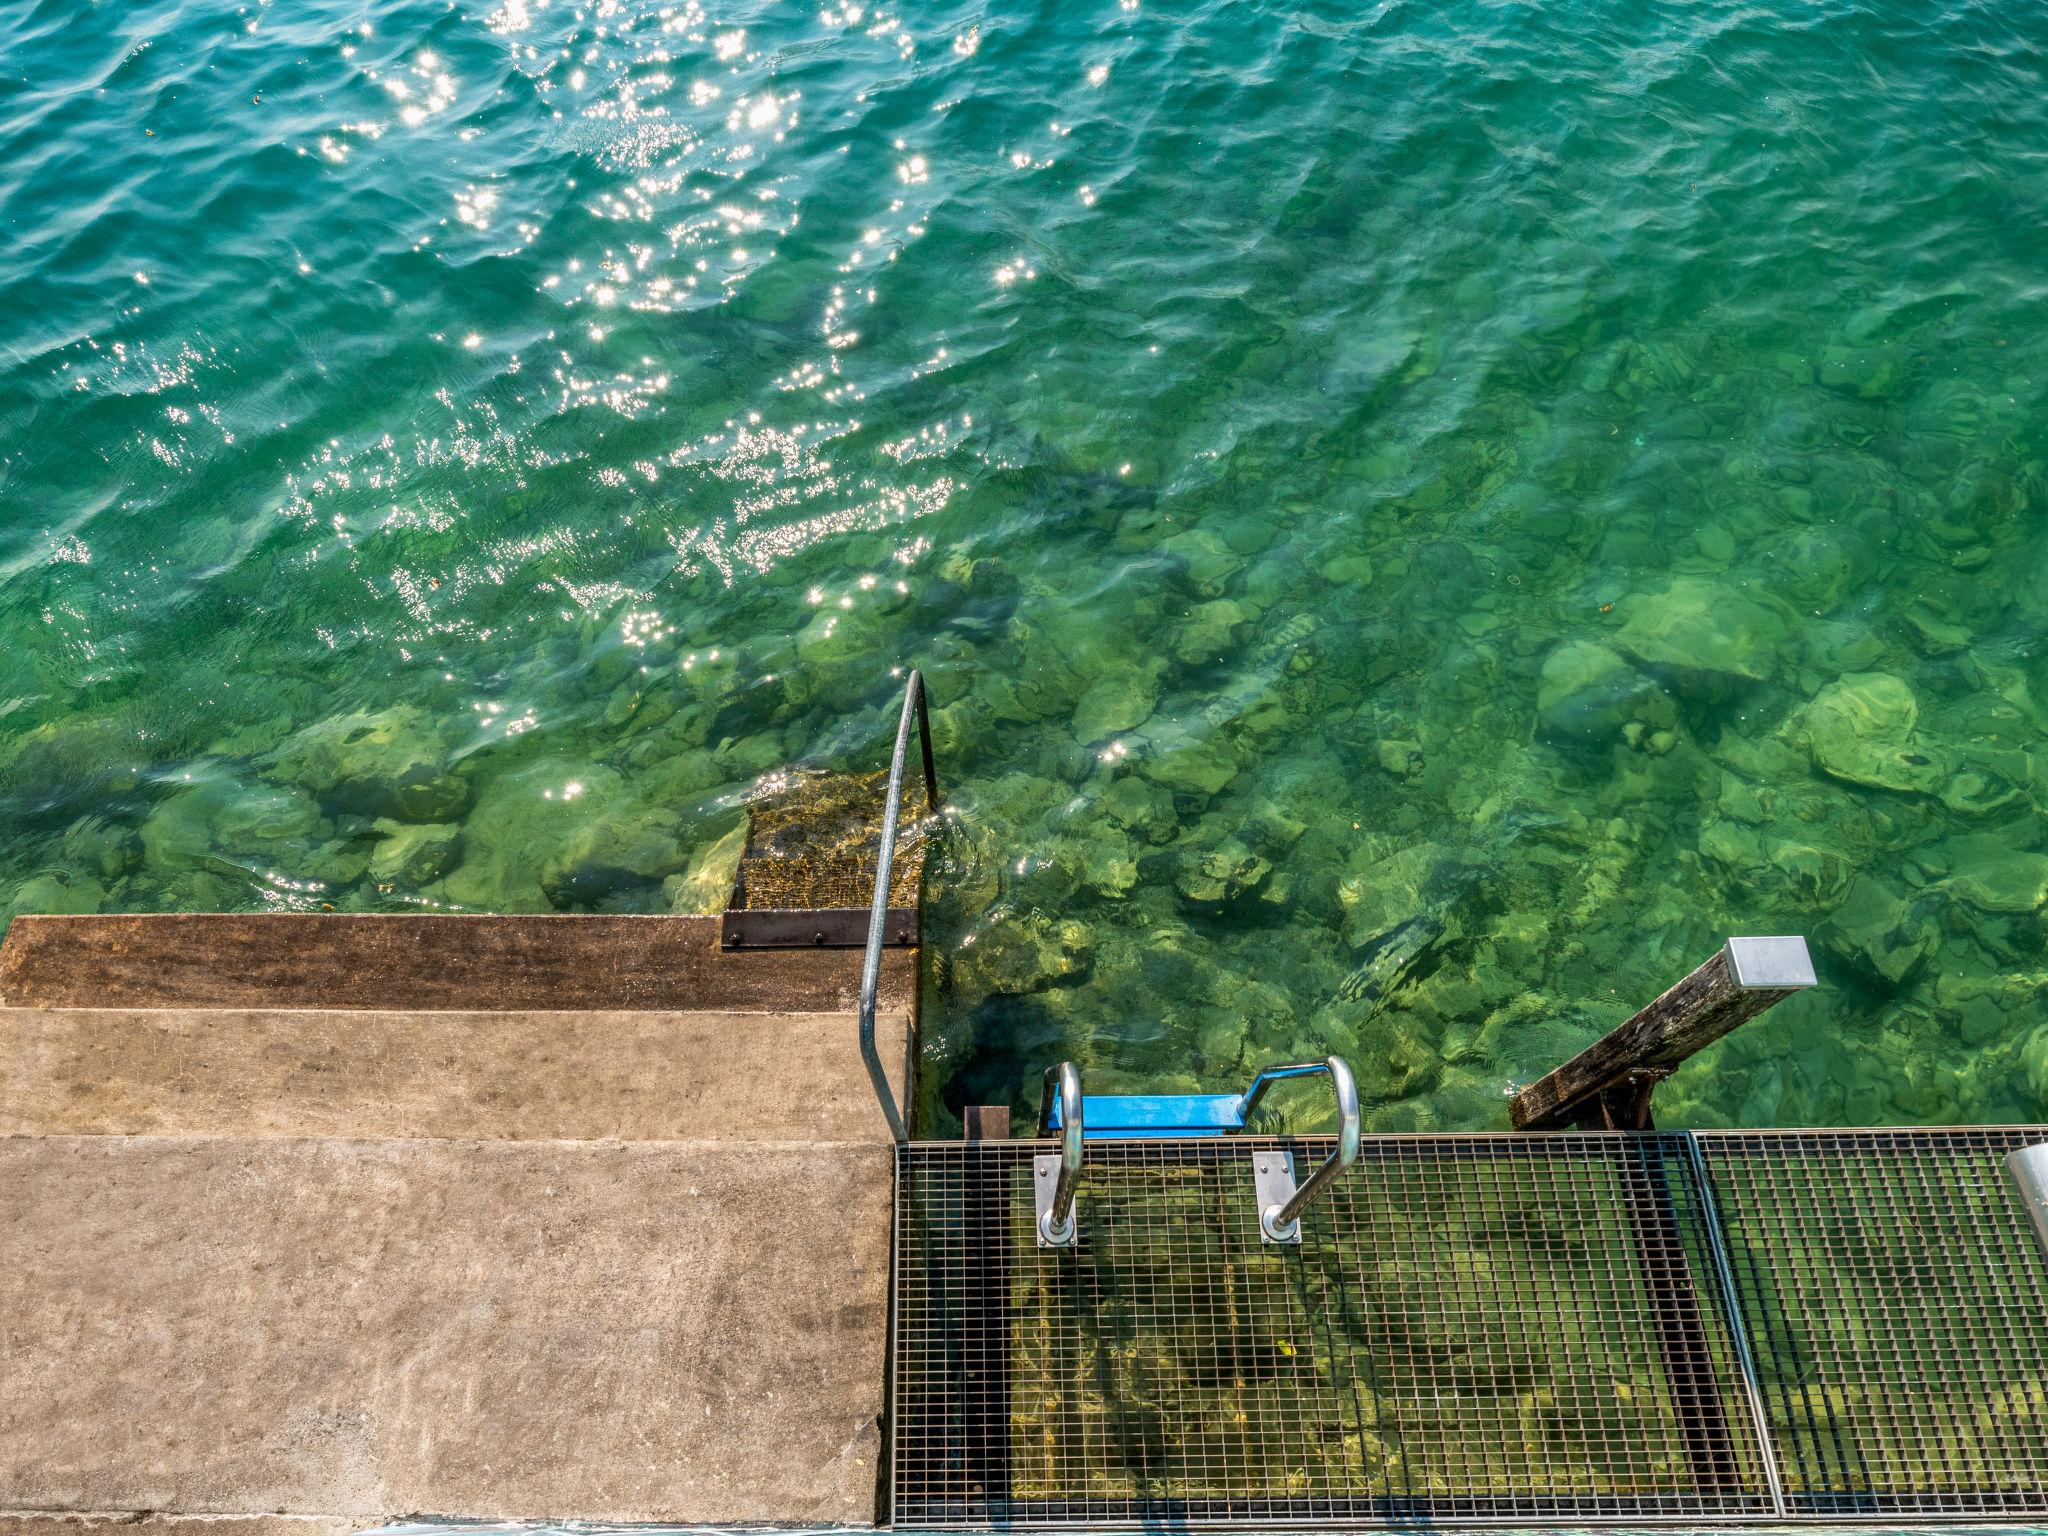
<point x="1123" y="1116"/>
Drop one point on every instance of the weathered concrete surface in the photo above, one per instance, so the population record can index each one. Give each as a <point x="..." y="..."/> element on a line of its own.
<point x="419" y="962"/>
<point x="358" y="1329"/>
<point x="521" y="1076"/>
<point x="154" y="1523"/>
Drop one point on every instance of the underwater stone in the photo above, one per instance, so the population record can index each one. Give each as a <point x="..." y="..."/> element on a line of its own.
<point x="1271" y="830"/>
<point x="1860" y="727"/>
<point x="1403" y="759"/>
<point x="1221" y="874"/>
<point x="1346" y="570"/>
<point x="1587" y="693"/>
<point x="101" y="848"/>
<point x="1026" y="953"/>
<point x="1121" y="701"/>
<point x="1202" y="766"/>
<point x="609" y="855"/>
<point x="1992" y="876"/>
<point x="388" y="762"/>
<point x="1142" y="807"/>
<point x="1874" y="929"/>
<point x="1382" y="895"/>
<point x="1209" y="632"/>
<point x="1209" y="562"/>
<point x="706" y="886"/>
<point x="1868" y="373"/>
<point x="414" y="854"/>
<point x="1705" y="633"/>
<point x="53" y="892"/>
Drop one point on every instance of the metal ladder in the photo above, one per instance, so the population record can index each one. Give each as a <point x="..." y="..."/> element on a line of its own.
<point x="1076" y="1118"/>
<point x="1064" y="1111"/>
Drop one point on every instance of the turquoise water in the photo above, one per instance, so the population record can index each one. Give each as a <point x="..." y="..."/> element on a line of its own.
<point x="1419" y="519"/>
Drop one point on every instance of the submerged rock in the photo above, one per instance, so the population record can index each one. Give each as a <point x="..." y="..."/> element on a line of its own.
<point x="1121" y="701"/>
<point x="413" y="854"/>
<point x="1876" y="931"/>
<point x="1995" y="877"/>
<point x="706" y="886"/>
<point x="1860" y="728"/>
<point x="1587" y="693"/>
<point x="1202" y="766"/>
<point x="612" y="855"/>
<point x="1025" y="953"/>
<point x="388" y="762"/>
<point x="1706" y="634"/>
<point x="1220" y="874"/>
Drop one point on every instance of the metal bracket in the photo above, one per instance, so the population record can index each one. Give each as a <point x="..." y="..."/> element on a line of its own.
<point x="1045" y="1186"/>
<point x="814" y="928"/>
<point x="1273" y="1183"/>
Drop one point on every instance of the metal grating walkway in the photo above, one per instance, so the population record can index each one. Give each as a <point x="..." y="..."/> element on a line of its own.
<point x="1571" y="1328"/>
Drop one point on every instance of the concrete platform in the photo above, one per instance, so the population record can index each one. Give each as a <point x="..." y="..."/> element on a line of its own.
<point x="285" y="1254"/>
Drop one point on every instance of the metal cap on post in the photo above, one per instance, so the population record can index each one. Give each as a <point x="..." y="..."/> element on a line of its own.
<point x="2029" y="1169"/>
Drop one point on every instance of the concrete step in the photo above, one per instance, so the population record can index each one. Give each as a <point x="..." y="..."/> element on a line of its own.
<point x="312" y="1222"/>
<point x="414" y="963"/>
<point x="612" y="1331"/>
<point x="559" y="1075"/>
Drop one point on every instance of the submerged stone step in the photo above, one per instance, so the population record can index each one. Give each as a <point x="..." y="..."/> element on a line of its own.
<point x="679" y="1331"/>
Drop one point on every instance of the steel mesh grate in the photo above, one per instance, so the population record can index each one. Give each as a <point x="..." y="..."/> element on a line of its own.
<point x="1484" y="1328"/>
<point x="1898" y="1311"/>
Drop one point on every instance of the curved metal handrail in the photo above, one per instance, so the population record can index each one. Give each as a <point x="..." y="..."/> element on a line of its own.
<point x="1062" y="1086"/>
<point x="1279" y="1220"/>
<point x="914" y="705"/>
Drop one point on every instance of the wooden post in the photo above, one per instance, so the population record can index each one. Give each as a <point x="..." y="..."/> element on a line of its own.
<point x="1607" y="1086"/>
<point x="986" y="1122"/>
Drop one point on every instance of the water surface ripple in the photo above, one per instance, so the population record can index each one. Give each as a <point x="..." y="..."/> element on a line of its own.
<point x="1419" y="518"/>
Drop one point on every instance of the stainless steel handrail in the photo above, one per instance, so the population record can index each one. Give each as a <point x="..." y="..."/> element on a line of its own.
<point x="1278" y="1220"/>
<point x="914" y="706"/>
<point x="1062" y="1085"/>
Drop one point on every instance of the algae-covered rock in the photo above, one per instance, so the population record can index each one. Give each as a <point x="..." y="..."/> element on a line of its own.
<point x="1860" y="729"/>
<point x="1403" y="759"/>
<point x="101" y="848"/>
<point x="56" y="891"/>
<point x="71" y="759"/>
<point x="1875" y="930"/>
<point x="1587" y="693"/>
<point x="611" y="855"/>
<point x="388" y="762"/>
<point x="1025" y="953"/>
<point x="1219" y="874"/>
<point x="413" y="854"/>
<point x="1208" y="561"/>
<point x="1708" y="635"/>
<point x="1381" y="896"/>
<point x="706" y="885"/>
<point x="1209" y="632"/>
<point x="1202" y="765"/>
<point x="1993" y="876"/>
<point x="1139" y="806"/>
<point x="1120" y="700"/>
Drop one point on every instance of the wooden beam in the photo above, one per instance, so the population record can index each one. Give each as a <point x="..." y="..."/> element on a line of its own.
<point x="986" y="1122"/>
<point x="1607" y="1085"/>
